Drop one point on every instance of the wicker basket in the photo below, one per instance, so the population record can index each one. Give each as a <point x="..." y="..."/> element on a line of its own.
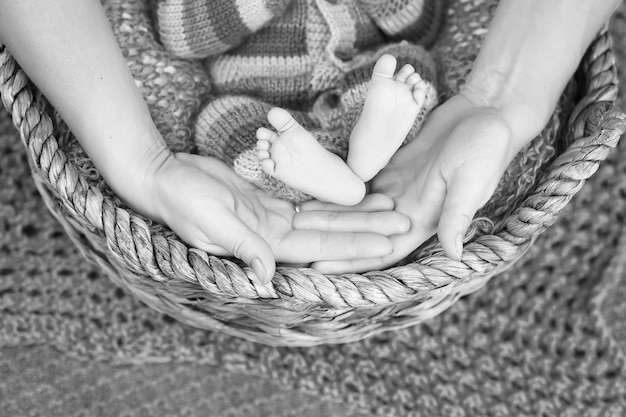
<point x="304" y="307"/>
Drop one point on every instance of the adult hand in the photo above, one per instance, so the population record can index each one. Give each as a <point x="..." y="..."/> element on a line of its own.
<point x="439" y="180"/>
<point x="211" y="208"/>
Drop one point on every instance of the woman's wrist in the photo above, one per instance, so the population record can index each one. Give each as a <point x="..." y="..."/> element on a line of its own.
<point x="530" y="52"/>
<point x="132" y="172"/>
<point x="525" y="115"/>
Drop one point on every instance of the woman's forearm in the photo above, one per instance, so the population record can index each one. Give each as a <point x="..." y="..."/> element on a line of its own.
<point x="531" y="50"/>
<point x="68" y="50"/>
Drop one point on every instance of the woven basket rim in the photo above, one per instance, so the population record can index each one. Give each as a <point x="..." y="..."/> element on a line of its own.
<point x="168" y="258"/>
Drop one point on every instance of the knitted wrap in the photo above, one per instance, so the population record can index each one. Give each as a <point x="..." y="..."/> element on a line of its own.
<point x="300" y="48"/>
<point x="201" y="28"/>
<point x="298" y="56"/>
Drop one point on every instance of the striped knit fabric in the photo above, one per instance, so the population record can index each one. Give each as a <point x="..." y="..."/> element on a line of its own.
<point x="287" y="52"/>
<point x="200" y="28"/>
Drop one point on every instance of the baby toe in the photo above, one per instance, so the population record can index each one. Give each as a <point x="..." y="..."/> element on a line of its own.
<point x="264" y="134"/>
<point x="268" y="166"/>
<point x="419" y="93"/>
<point x="384" y="67"/>
<point x="263" y="155"/>
<point x="281" y="119"/>
<point x="404" y="73"/>
<point x="413" y="79"/>
<point x="263" y="145"/>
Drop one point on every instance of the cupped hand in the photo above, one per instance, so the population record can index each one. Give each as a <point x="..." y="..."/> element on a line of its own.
<point x="439" y="181"/>
<point x="208" y="206"/>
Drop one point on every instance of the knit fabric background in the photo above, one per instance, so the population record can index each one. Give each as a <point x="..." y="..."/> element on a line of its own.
<point x="543" y="338"/>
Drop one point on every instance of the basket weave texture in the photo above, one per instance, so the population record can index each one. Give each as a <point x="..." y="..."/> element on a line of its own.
<point x="303" y="306"/>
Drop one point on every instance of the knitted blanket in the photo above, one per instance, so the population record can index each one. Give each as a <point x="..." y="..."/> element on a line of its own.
<point x="543" y="338"/>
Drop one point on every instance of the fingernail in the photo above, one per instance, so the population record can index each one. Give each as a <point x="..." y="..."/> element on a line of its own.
<point x="259" y="270"/>
<point x="459" y="247"/>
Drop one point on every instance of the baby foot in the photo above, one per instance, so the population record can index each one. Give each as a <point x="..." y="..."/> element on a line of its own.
<point x="391" y="106"/>
<point x="294" y="156"/>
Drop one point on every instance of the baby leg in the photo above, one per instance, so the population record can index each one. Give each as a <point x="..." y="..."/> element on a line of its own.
<point x="392" y="103"/>
<point x="294" y="156"/>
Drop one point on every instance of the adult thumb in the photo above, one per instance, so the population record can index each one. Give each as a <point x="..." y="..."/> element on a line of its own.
<point x="466" y="194"/>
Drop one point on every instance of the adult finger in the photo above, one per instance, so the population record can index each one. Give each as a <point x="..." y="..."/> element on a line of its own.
<point x="215" y="250"/>
<point x="371" y="202"/>
<point x="383" y="222"/>
<point x="402" y="246"/>
<point x="467" y="192"/>
<point x="300" y="246"/>
<point x="242" y="242"/>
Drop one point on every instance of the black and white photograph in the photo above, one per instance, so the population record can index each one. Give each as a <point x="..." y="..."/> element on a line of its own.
<point x="312" y="208"/>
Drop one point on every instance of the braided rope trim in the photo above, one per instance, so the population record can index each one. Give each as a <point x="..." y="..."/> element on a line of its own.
<point x="596" y="127"/>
